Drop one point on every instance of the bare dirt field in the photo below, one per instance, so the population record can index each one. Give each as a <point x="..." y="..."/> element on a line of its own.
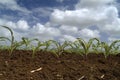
<point x="68" y="66"/>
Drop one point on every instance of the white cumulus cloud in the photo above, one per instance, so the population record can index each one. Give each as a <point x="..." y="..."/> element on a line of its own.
<point x="68" y="29"/>
<point x="88" y="33"/>
<point x="41" y="30"/>
<point x="111" y="39"/>
<point x="93" y="3"/>
<point x="67" y="38"/>
<point x="12" y="4"/>
<point x="20" y="25"/>
<point x="84" y="17"/>
<point x="22" y="29"/>
<point x="100" y="13"/>
<point x="68" y="24"/>
<point x="113" y="28"/>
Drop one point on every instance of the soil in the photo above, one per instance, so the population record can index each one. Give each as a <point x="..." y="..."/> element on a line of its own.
<point x="68" y="66"/>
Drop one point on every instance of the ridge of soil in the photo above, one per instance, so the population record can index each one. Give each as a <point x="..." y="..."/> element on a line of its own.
<point x="68" y="66"/>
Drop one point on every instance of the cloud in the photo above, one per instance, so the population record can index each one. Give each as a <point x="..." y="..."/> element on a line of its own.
<point x="67" y="38"/>
<point x="111" y="39"/>
<point x="68" y="29"/>
<point x="71" y="33"/>
<point x="88" y="33"/>
<point x="67" y="24"/>
<point x="42" y="31"/>
<point x="102" y="14"/>
<point x="43" y="11"/>
<point x="22" y="29"/>
<point x="2" y="21"/>
<point x="84" y="17"/>
<point x="12" y="5"/>
<point x="113" y="28"/>
<point x="20" y="25"/>
<point x="93" y="3"/>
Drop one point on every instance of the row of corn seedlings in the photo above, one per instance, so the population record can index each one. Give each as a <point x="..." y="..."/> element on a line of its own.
<point x="79" y="46"/>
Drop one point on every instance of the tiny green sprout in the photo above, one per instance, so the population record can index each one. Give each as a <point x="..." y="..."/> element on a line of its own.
<point x="11" y="32"/>
<point x="60" y="48"/>
<point x="109" y="49"/>
<point x="76" y="48"/>
<point x="37" y="48"/>
<point x="15" y="45"/>
<point x="79" y="46"/>
<point x="28" y="44"/>
<point x="11" y="40"/>
<point x="86" y="45"/>
<point x="4" y="39"/>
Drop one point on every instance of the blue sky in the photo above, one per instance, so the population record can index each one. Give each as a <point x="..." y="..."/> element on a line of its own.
<point x="61" y="19"/>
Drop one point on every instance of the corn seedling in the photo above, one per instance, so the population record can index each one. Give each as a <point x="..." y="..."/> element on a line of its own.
<point x="79" y="46"/>
<point x="4" y="39"/>
<point x="11" y="32"/>
<point x="59" y="47"/>
<point x="11" y="40"/>
<point x="49" y="43"/>
<point x="109" y="49"/>
<point x="69" y="47"/>
<point x="37" y="48"/>
<point x="97" y="48"/>
<point x="15" y="46"/>
<point x="75" y="47"/>
<point x="27" y="42"/>
<point x="117" y="49"/>
<point x="86" y="45"/>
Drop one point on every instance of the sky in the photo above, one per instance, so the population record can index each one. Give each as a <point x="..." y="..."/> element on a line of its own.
<point x="61" y="19"/>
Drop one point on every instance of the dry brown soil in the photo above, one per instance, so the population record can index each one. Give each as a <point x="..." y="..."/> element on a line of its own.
<point x="69" y="66"/>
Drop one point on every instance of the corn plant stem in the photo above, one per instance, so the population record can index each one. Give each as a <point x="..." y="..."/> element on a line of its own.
<point x="12" y="38"/>
<point x="79" y="45"/>
<point x="86" y="46"/>
<point x="11" y="32"/>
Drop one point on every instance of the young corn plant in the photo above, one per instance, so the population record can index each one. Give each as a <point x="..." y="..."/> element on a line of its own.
<point x="117" y="49"/>
<point x="86" y="45"/>
<point x="97" y="48"/>
<point x="110" y="49"/>
<point x="4" y="39"/>
<point x="29" y="45"/>
<point x="37" y="48"/>
<point x="11" y="40"/>
<point x="60" y="48"/>
<point x="69" y="48"/>
<point x="15" y="46"/>
<point x="75" y="47"/>
<point x="27" y="42"/>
